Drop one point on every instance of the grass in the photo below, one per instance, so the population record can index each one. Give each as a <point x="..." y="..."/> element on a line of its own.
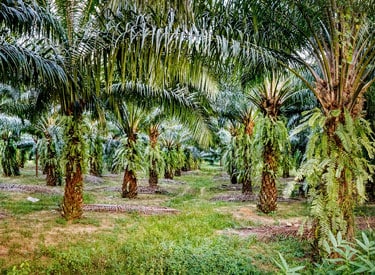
<point x="34" y="239"/>
<point x="19" y="205"/>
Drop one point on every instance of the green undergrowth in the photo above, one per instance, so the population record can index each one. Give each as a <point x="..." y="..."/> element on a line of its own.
<point x="197" y="240"/>
<point x="18" y="204"/>
<point x="216" y="255"/>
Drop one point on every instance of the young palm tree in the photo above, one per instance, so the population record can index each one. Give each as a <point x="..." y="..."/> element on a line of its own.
<point x="153" y="151"/>
<point x="271" y="134"/>
<point x="10" y="132"/>
<point x="173" y="157"/>
<point x="174" y="139"/>
<point x="49" y="148"/>
<point x="95" y="148"/>
<point x="246" y="157"/>
<point x="230" y="155"/>
<point x="128" y="156"/>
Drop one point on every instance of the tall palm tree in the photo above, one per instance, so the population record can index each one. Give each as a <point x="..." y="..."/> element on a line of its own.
<point x="271" y="134"/>
<point x="78" y="40"/>
<point x="338" y="52"/>
<point x="333" y="41"/>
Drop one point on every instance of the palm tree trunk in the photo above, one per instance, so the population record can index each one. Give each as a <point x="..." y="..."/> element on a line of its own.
<point x="51" y="177"/>
<point x="347" y="205"/>
<point x="178" y="172"/>
<point x="9" y="161"/>
<point x="50" y="168"/>
<point x="268" y="191"/>
<point x="247" y="187"/>
<point x="36" y="162"/>
<point x="246" y="178"/>
<point x="73" y="194"/>
<point x="168" y="174"/>
<point x="153" y="176"/>
<point x="233" y="177"/>
<point x="370" y="191"/>
<point x="129" y="184"/>
<point x="153" y="172"/>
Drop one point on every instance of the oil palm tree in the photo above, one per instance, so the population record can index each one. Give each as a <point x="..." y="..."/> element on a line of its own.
<point x="10" y="131"/>
<point x="333" y="41"/>
<point x="55" y="65"/>
<point x="238" y="114"/>
<point x="95" y="148"/>
<point x="271" y="134"/>
<point x="173" y="155"/>
<point x="153" y="151"/>
<point x="245" y="162"/>
<point x="49" y="147"/>
<point x="128" y="155"/>
<point x="76" y="48"/>
<point x="43" y="125"/>
<point x="338" y="46"/>
<point x="151" y="62"/>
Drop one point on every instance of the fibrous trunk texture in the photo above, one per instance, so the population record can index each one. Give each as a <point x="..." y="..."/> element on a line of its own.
<point x="268" y="191"/>
<point x="168" y="174"/>
<point x="178" y="172"/>
<point x="51" y="175"/>
<point x="73" y="195"/>
<point x="129" y="185"/>
<point x="247" y="187"/>
<point x="153" y="172"/>
<point x="153" y="175"/>
<point x="74" y="155"/>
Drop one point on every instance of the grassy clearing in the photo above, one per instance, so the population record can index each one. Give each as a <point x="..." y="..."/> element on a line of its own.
<point x="34" y="239"/>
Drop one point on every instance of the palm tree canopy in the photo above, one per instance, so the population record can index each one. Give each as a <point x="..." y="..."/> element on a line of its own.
<point x="271" y="95"/>
<point x="23" y="62"/>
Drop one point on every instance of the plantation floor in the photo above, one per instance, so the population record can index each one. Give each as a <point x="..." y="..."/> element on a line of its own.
<point x="196" y="224"/>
